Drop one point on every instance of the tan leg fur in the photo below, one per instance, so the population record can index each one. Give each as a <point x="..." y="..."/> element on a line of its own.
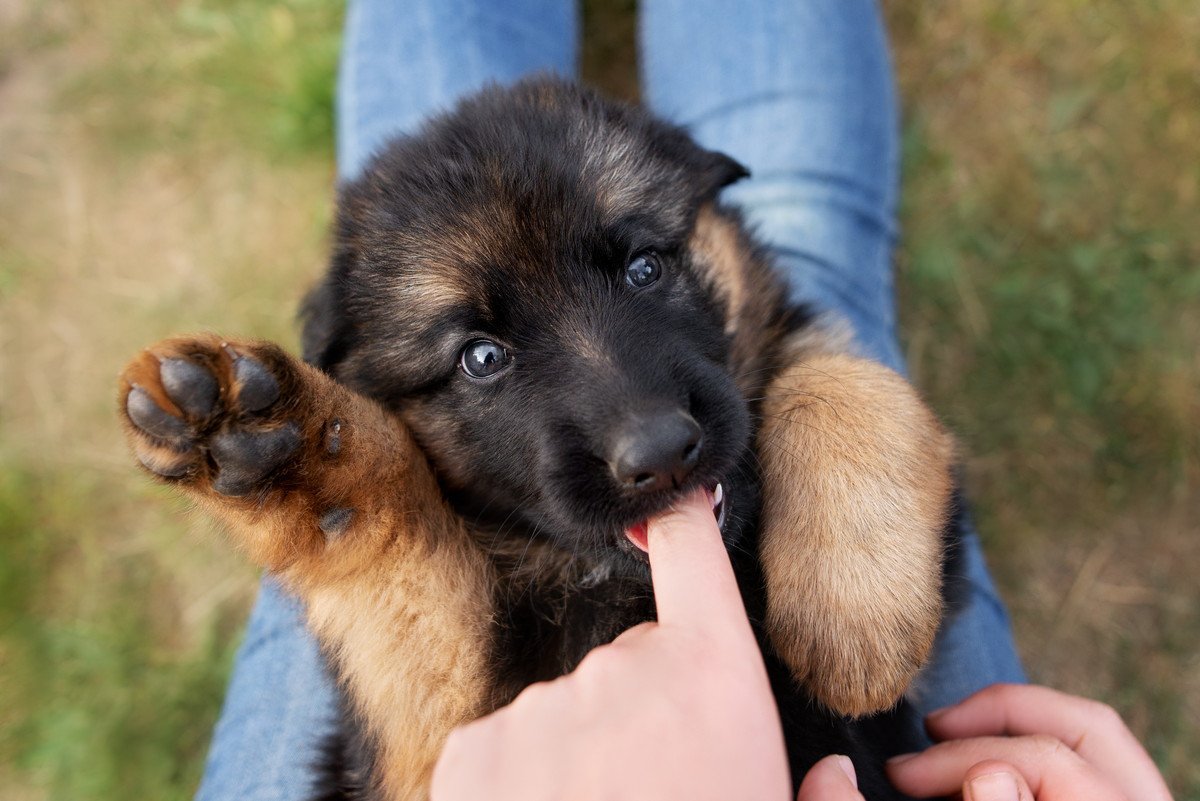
<point x="354" y="524"/>
<point x="856" y="487"/>
<point x="857" y="478"/>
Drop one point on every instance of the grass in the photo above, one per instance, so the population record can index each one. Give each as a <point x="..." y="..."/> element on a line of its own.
<point x="108" y="703"/>
<point x="1052" y="308"/>
<point x="167" y="167"/>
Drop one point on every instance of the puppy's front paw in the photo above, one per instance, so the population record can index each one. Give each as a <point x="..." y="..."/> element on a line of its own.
<point x="207" y="413"/>
<point x="285" y="455"/>
<point x="857" y="480"/>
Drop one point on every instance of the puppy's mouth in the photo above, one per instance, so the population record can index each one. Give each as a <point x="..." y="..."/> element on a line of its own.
<point x="638" y="533"/>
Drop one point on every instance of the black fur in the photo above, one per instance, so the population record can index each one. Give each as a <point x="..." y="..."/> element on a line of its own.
<point x="513" y="218"/>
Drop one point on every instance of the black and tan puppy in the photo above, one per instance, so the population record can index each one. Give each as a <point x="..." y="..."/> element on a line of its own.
<point x="540" y="328"/>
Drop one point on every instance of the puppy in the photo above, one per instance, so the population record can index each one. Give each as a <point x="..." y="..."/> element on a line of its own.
<point x="539" y="328"/>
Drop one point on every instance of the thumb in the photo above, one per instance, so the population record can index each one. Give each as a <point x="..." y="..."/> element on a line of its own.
<point x="831" y="779"/>
<point x="993" y="780"/>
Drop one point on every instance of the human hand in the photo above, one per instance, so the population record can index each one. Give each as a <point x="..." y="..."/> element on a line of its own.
<point x="678" y="708"/>
<point x="831" y="779"/>
<point x="1013" y="742"/>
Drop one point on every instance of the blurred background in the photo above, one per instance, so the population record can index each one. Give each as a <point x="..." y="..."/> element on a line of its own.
<point x="166" y="167"/>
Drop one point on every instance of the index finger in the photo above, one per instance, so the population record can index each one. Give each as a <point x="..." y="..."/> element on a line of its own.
<point x="1095" y="731"/>
<point x="694" y="585"/>
<point x="1049" y="767"/>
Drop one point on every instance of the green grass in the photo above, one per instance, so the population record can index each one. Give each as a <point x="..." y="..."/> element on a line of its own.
<point x="100" y="698"/>
<point x="1051" y="309"/>
<point x="1079" y="328"/>
<point x="167" y="167"/>
<point x="199" y="75"/>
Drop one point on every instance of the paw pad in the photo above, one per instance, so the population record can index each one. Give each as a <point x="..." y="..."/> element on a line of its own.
<point x="202" y="409"/>
<point x="191" y="387"/>
<point x="335" y="522"/>
<point x="245" y="458"/>
<point x="152" y="418"/>
<point x="257" y="388"/>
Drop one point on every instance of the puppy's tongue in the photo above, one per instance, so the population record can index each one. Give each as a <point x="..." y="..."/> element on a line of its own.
<point x="638" y="534"/>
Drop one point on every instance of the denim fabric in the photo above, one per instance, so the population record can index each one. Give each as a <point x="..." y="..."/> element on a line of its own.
<point x="800" y="92"/>
<point x="403" y="61"/>
<point x="279" y="704"/>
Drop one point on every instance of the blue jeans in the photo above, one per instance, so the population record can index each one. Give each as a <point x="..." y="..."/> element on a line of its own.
<point x="800" y="92"/>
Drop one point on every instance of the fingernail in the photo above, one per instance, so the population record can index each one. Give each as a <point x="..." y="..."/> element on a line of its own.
<point x="994" y="787"/>
<point x="899" y="758"/>
<point x="848" y="768"/>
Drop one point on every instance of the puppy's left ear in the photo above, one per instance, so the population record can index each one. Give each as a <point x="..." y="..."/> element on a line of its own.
<point x="321" y="327"/>
<point x="717" y="171"/>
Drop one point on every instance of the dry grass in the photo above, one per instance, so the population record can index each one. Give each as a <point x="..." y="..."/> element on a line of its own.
<point x="119" y="613"/>
<point x="1052" y="305"/>
<point x="167" y="168"/>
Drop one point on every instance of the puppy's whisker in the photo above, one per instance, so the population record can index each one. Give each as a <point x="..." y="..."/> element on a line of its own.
<point x="795" y="421"/>
<point x="481" y="512"/>
<point x="774" y="443"/>
<point x="534" y="571"/>
<point x="501" y="530"/>
<point x="791" y="393"/>
<point x="754" y="372"/>
<point x="498" y="533"/>
<point x="792" y="368"/>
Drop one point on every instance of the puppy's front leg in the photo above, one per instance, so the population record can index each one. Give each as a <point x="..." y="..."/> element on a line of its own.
<point x="857" y="482"/>
<point x="327" y="490"/>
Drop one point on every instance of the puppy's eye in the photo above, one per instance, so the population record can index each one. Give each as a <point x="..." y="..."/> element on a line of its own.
<point x="482" y="358"/>
<point x="643" y="270"/>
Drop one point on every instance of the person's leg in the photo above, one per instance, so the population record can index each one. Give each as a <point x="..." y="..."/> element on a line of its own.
<point x="802" y="94"/>
<point x="279" y="704"/>
<point x="401" y="62"/>
<point x="404" y="61"/>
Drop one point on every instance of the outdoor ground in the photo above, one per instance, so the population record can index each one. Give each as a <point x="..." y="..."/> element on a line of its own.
<point x="166" y="167"/>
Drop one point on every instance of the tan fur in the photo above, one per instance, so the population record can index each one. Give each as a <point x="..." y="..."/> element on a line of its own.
<point x="401" y="598"/>
<point x="856" y="488"/>
<point x="588" y="349"/>
<point x="430" y="291"/>
<point x="717" y="250"/>
<point x="625" y="177"/>
<point x="617" y="167"/>
<point x="749" y="288"/>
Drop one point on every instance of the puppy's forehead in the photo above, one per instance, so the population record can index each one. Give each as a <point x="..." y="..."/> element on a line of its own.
<point x="627" y="178"/>
<point x="553" y="152"/>
<point x="518" y="191"/>
<point x="530" y="222"/>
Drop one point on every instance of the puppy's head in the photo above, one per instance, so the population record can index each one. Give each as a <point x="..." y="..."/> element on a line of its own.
<point x="519" y="281"/>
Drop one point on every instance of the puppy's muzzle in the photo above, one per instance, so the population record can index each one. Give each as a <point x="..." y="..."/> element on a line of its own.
<point x="655" y="450"/>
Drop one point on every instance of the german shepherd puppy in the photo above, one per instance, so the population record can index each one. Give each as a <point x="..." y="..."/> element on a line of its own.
<point x="539" y="328"/>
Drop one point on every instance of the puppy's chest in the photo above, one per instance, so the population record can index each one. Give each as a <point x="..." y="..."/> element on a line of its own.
<point x="553" y="607"/>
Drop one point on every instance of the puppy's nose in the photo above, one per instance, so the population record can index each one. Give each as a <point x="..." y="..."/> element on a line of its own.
<point x="656" y="450"/>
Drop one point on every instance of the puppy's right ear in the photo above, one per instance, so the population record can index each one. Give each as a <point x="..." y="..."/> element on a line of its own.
<point x="717" y="171"/>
